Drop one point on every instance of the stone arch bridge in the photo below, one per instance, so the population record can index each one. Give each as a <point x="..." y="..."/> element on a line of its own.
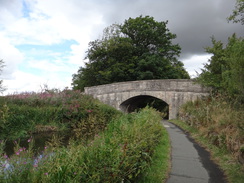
<point x="174" y="92"/>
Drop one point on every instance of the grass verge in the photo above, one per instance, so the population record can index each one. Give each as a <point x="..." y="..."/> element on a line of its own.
<point x="232" y="169"/>
<point x="159" y="168"/>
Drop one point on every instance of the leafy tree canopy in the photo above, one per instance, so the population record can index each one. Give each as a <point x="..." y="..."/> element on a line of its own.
<point x="238" y="13"/>
<point x="140" y="48"/>
<point x="225" y="70"/>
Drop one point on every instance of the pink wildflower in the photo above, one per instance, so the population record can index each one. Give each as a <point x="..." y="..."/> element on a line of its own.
<point x="46" y="173"/>
<point x="17" y="153"/>
<point x="29" y="139"/>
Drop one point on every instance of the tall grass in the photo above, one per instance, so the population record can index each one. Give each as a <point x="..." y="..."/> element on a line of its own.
<point x="119" y="154"/>
<point x="220" y="121"/>
<point x="159" y="168"/>
<point x="27" y="113"/>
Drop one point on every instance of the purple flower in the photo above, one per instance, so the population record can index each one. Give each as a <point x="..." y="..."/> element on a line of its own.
<point x="46" y="173"/>
<point x="17" y="153"/>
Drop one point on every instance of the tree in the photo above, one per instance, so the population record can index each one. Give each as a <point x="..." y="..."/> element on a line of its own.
<point x="211" y="75"/>
<point x="1" y="81"/>
<point x="225" y="70"/>
<point x="234" y="77"/>
<point x="140" y="48"/>
<point x="238" y="13"/>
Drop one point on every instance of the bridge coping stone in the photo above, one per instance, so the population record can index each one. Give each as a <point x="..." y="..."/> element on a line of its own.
<point x="178" y="85"/>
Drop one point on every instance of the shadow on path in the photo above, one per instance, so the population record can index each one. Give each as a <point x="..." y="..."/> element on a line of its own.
<point x="190" y="162"/>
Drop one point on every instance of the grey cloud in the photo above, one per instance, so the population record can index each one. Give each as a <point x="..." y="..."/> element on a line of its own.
<point x="9" y="9"/>
<point x="194" y="21"/>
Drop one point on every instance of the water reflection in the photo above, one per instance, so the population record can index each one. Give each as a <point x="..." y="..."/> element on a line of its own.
<point x="40" y="141"/>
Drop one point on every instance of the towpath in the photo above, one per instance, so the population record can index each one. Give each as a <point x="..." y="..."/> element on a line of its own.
<point x="190" y="162"/>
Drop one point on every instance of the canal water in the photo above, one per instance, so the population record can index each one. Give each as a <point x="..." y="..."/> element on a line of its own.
<point x="40" y="141"/>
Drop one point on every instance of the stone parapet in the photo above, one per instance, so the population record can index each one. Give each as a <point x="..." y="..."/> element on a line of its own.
<point x="174" y="92"/>
<point x="178" y="85"/>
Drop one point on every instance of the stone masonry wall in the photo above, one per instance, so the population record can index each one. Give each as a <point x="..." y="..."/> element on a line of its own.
<point x="174" y="92"/>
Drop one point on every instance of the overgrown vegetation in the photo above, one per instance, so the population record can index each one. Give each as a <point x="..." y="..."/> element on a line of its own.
<point x="158" y="171"/>
<point x="119" y="154"/>
<point x="218" y="120"/>
<point x="27" y="113"/>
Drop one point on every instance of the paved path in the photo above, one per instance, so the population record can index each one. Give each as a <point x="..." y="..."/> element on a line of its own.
<point x="190" y="162"/>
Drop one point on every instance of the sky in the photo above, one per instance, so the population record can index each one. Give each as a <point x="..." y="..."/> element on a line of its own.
<point x="44" y="42"/>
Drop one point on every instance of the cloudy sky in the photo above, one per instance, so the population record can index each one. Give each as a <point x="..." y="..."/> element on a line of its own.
<point x="43" y="42"/>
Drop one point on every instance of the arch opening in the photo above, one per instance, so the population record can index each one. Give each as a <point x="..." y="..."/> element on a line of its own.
<point x="136" y="103"/>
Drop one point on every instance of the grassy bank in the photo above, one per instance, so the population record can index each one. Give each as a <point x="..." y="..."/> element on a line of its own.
<point x="123" y="152"/>
<point x="160" y="164"/>
<point x="27" y="113"/>
<point x="218" y="125"/>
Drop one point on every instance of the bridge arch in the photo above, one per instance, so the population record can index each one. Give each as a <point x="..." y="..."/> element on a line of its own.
<point x="138" y="102"/>
<point x="174" y="92"/>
